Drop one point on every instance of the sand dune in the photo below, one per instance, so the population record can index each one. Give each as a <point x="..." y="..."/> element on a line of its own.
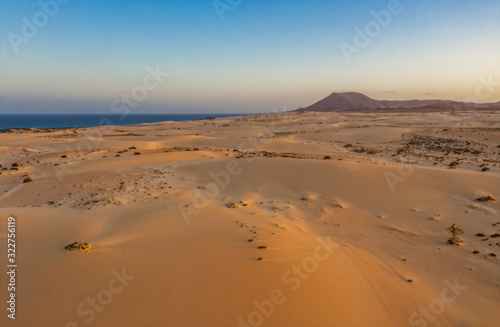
<point x="289" y="219"/>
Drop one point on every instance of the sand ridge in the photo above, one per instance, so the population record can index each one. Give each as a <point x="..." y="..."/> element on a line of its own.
<point x="174" y="206"/>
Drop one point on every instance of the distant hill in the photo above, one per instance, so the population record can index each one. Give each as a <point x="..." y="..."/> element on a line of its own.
<point x="359" y="101"/>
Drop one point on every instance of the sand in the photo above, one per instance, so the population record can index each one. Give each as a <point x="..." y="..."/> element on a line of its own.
<point x="284" y="219"/>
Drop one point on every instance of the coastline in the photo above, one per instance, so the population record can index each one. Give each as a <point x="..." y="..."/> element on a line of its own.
<point x="99" y="119"/>
<point x="169" y="210"/>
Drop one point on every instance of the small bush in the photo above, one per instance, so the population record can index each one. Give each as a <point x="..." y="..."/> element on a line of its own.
<point x="455" y="234"/>
<point x="485" y="199"/>
<point x="82" y="246"/>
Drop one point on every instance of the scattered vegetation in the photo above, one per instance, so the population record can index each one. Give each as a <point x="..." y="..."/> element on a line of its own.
<point x="455" y="234"/>
<point x="485" y="199"/>
<point x="81" y="246"/>
<point x="234" y="205"/>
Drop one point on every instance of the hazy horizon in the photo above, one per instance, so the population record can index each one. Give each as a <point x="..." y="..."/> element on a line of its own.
<point x="248" y="57"/>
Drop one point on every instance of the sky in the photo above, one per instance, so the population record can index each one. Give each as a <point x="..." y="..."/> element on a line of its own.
<point x="242" y="56"/>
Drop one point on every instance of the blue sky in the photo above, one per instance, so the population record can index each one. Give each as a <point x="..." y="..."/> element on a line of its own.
<point x="88" y="54"/>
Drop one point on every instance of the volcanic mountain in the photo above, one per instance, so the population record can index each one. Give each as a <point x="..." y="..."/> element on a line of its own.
<point x="359" y="101"/>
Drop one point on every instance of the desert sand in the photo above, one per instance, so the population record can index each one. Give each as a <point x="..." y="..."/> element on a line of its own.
<point x="282" y="219"/>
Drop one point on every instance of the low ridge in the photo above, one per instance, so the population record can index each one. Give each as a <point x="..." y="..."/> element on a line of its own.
<point x="359" y="101"/>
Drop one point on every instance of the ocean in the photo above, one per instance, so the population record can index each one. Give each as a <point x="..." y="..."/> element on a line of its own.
<point x="89" y="120"/>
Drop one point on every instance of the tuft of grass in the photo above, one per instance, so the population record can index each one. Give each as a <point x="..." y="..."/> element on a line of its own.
<point x="455" y="234"/>
<point x="81" y="246"/>
<point x="485" y="199"/>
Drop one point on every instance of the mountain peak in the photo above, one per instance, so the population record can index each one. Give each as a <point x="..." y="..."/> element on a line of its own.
<point x="342" y="101"/>
<point x="359" y="101"/>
